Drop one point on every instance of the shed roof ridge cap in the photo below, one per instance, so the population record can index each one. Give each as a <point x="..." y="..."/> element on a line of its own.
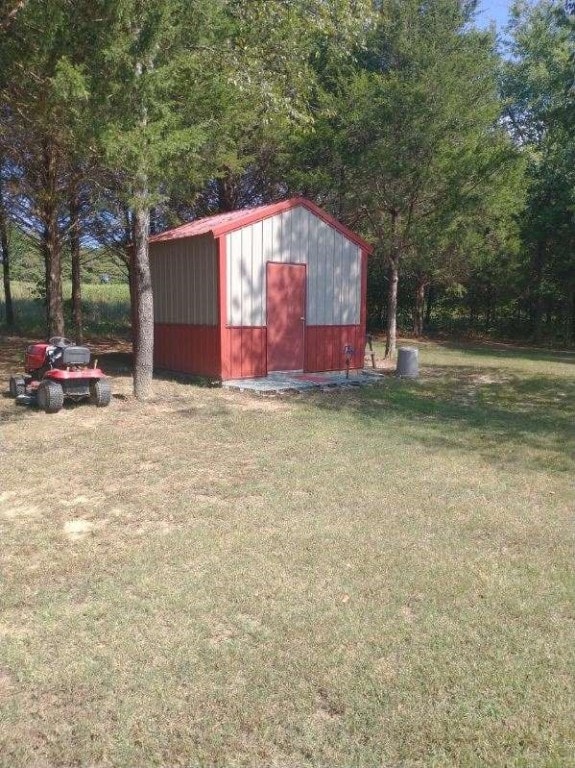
<point x="230" y="221"/>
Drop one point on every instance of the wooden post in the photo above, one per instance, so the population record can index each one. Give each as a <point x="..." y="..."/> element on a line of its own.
<point x="371" y="352"/>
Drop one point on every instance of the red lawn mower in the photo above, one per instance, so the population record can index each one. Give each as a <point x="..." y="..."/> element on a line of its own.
<point x="56" y="371"/>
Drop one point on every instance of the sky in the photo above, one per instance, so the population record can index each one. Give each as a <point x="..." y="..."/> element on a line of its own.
<point x="493" y="10"/>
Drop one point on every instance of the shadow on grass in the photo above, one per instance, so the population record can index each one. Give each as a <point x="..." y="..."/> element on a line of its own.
<point x="118" y="364"/>
<point x="526" y="419"/>
<point x="20" y="412"/>
<point x="121" y="364"/>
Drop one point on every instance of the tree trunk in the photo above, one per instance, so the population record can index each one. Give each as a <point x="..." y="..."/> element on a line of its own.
<point x="226" y="193"/>
<point x="51" y="245"/>
<point x="5" y="251"/>
<point x="488" y="311"/>
<point x="77" y="318"/>
<point x="419" y="306"/>
<point x="52" y="259"/>
<point x="472" y="314"/>
<point x="430" y="305"/>
<point x="391" y="340"/>
<point x="144" y="331"/>
<point x="570" y="316"/>
<point x="537" y="289"/>
<point x="133" y="297"/>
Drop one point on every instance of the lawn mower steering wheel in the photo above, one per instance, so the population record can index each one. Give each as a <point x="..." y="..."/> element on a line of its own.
<point x="60" y="341"/>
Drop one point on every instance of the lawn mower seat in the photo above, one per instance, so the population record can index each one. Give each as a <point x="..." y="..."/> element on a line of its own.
<point x="65" y="352"/>
<point x="73" y="355"/>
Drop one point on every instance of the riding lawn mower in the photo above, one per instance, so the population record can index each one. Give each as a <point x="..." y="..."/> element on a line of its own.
<point x="56" y="371"/>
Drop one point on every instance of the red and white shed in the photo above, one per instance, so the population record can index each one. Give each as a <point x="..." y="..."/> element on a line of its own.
<point x="280" y="287"/>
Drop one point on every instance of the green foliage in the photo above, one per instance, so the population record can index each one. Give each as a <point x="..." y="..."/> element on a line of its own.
<point x="26" y="263"/>
<point x="538" y="86"/>
<point x="409" y="144"/>
<point x="143" y="125"/>
<point x="401" y="117"/>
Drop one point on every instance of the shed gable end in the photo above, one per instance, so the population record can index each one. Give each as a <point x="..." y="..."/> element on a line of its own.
<point x="294" y="236"/>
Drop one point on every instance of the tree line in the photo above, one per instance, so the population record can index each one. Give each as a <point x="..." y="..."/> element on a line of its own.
<point x="450" y="150"/>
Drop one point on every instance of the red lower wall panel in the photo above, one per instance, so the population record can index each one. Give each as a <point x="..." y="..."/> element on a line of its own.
<point x="191" y="349"/>
<point x="195" y="349"/>
<point x="245" y="353"/>
<point x="324" y="345"/>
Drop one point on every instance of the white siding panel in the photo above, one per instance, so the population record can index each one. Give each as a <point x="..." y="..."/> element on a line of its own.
<point x="277" y="250"/>
<point x="246" y="271"/>
<point x="291" y="236"/>
<point x="345" y="290"/>
<point x="284" y="241"/>
<point x="258" y="274"/>
<point x="294" y="236"/>
<point x="339" y="282"/>
<point x="321" y="260"/>
<point x="184" y="281"/>
<point x="268" y="239"/>
<point x="357" y="274"/>
<point x="235" y="269"/>
<point x="299" y="240"/>
<point x="313" y="281"/>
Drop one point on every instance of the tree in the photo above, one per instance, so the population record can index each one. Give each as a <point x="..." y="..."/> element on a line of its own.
<point x="425" y="130"/>
<point x="150" y="54"/>
<point x="239" y="64"/>
<point x="9" y="11"/>
<point x="44" y="102"/>
<point x="539" y="90"/>
<point x="5" y="252"/>
<point x="408" y="137"/>
<point x="471" y="227"/>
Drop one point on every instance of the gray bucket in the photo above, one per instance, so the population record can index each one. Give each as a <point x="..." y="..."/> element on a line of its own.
<point x="407" y="362"/>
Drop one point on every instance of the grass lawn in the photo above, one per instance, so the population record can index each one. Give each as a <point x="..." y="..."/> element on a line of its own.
<point x="369" y="578"/>
<point x="106" y="308"/>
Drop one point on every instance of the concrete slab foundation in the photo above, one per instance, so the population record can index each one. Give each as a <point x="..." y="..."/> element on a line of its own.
<point x="283" y="383"/>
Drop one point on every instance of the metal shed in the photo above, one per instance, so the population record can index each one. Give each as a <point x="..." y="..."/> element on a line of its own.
<point x="280" y="287"/>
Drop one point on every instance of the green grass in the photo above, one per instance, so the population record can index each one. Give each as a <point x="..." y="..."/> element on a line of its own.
<point x="106" y="308"/>
<point x="373" y="578"/>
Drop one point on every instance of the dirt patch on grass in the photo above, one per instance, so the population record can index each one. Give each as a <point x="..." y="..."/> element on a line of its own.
<point x="7" y="684"/>
<point x="16" y="506"/>
<point x="78" y="529"/>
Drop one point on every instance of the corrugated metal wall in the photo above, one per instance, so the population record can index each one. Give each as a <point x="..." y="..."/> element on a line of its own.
<point x="185" y="281"/>
<point x="188" y="348"/>
<point x="296" y="236"/>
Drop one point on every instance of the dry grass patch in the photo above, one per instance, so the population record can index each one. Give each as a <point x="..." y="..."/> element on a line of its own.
<point x="381" y="577"/>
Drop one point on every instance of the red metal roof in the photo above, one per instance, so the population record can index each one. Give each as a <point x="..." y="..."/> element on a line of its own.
<point x="228" y="222"/>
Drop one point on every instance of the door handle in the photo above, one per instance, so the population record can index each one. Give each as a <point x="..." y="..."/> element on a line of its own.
<point x="302" y="318"/>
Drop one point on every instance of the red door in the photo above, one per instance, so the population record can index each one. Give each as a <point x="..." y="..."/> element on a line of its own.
<point x="285" y="316"/>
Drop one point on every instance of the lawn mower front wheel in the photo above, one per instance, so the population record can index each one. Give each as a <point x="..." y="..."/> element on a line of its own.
<point x="50" y="396"/>
<point x="17" y="386"/>
<point x="100" y="393"/>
